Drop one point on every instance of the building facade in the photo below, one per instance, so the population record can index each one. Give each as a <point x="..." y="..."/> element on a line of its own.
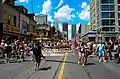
<point x="56" y="24"/>
<point x="14" y="22"/>
<point x="105" y="18"/>
<point x="32" y="26"/>
<point x="41" y="19"/>
<point x="73" y="26"/>
<point x="65" y="28"/>
<point x="10" y="21"/>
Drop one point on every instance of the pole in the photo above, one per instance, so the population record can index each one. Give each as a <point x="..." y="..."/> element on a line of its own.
<point x="1" y="17"/>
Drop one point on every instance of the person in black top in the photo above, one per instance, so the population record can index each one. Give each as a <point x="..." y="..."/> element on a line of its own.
<point x="8" y="50"/>
<point x="37" y="51"/>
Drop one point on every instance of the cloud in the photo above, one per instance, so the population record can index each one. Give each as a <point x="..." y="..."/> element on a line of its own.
<point x="64" y="13"/>
<point x="50" y="18"/>
<point x="21" y="1"/>
<point x="73" y="16"/>
<point x="89" y="23"/>
<point x="46" y="7"/>
<point x="85" y="13"/>
<point x="84" y="5"/>
<point x="60" y="3"/>
<point x="38" y="6"/>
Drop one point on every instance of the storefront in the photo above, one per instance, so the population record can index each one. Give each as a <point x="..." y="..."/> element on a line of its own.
<point x="10" y="33"/>
<point x="32" y="35"/>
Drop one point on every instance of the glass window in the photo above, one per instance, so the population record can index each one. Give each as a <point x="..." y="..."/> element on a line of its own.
<point x="107" y="7"/>
<point x="107" y="22"/>
<point x="108" y="15"/>
<point x="118" y="7"/>
<point x="14" y="18"/>
<point x="118" y="1"/>
<point x="119" y="22"/>
<point x="119" y="15"/>
<point x="108" y="29"/>
<point x="105" y="29"/>
<point x="107" y="1"/>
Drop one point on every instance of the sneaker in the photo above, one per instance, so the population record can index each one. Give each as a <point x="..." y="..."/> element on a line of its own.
<point x="105" y="61"/>
<point x="78" y="62"/>
<point x="99" y="60"/>
<point x="83" y="65"/>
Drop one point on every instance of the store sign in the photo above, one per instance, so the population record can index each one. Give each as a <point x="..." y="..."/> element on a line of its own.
<point x="9" y="28"/>
<point x="6" y="28"/>
<point x="14" y="29"/>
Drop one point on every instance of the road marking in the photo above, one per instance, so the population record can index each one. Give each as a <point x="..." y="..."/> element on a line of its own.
<point x="62" y="69"/>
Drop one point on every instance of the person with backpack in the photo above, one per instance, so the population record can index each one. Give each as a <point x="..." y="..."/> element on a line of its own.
<point x="101" y="52"/>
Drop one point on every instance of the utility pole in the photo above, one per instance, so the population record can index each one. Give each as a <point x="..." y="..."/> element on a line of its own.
<point x="1" y="18"/>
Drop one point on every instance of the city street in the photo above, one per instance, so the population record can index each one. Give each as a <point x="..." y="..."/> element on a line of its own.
<point x="54" y="68"/>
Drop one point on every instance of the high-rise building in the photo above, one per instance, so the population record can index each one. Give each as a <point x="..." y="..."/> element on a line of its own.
<point x="105" y="17"/>
<point x="73" y="30"/>
<point x="41" y="19"/>
<point x="56" y="24"/>
<point x="65" y="28"/>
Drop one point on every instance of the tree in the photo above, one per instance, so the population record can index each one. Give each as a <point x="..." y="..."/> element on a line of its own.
<point x="79" y="31"/>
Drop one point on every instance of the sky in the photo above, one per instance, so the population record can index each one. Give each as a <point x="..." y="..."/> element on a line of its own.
<point x="71" y="11"/>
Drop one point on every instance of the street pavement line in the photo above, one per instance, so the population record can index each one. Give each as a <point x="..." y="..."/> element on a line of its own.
<point x="62" y="69"/>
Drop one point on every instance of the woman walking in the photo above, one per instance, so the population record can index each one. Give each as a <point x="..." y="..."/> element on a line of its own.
<point x="81" y="54"/>
<point x="37" y="51"/>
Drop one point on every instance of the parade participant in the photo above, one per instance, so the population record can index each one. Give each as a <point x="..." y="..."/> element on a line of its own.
<point x="37" y="51"/>
<point x="21" y="52"/>
<point x="116" y="52"/>
<point x="87" y="50"/>
<point x="8" y="50"/>
<point x="2" y="50"/>
<point x="81" y="53"/>
<point x="101" y="52"/>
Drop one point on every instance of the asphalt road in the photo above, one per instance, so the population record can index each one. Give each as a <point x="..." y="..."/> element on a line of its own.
<point x="54" y="68"/>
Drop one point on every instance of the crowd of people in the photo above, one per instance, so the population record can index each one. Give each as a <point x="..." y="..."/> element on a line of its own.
<point x="105" y="50"/>
<point x="19" y="50"/>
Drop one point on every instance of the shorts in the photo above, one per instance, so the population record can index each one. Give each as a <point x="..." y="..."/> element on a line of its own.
<point x="81" y="54"/>
<point x="101" y="53"/>
<point x="37" y="58"/>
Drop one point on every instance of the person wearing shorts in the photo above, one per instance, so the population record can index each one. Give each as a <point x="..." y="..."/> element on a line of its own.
<point x="81" y="54"/>
<point x="101" y="52"/>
